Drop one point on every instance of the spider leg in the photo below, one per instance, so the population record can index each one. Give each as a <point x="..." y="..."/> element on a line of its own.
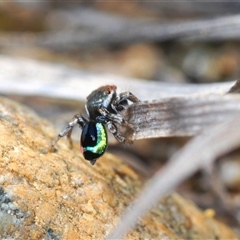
<point x="127" y="96"/>
<point x="113" y="129"/>
<point x="67" y="131"/>
<point x="116" y="118"/>
<point x="121" y="103"/>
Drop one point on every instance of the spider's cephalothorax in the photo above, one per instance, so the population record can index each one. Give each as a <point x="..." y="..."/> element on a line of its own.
<point x="103" y="108"/>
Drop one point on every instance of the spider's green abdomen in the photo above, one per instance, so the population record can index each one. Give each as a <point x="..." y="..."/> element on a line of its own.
<point x="93" y="141"/>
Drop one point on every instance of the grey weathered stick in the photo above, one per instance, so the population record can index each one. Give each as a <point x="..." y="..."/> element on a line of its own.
<point x="183" y="116"/>
<point x="30" y="77"/>
<point x="196" y="154"/>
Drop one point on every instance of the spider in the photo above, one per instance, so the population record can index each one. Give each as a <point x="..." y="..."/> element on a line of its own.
<point x="103" y="109"/>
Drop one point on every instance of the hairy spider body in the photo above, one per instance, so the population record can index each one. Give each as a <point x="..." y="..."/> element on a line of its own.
<point x="103" y="108"/>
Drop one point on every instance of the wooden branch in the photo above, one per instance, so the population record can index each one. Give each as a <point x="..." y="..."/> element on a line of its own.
<point x="183" y="116"/>
<point x="30" y="77"/>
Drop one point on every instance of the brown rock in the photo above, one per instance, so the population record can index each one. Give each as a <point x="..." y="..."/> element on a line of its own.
<point x="61" y="196"/>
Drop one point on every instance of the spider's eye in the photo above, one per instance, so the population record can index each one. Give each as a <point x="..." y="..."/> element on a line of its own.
<point x="107" y="92"/>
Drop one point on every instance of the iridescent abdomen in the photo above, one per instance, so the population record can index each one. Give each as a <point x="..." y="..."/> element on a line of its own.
<point x="93" y="141"/>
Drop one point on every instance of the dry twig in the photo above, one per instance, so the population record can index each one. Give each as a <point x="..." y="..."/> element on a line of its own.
<point x="182" y="116"/>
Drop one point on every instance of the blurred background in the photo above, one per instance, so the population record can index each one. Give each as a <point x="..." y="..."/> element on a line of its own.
<point x="166" y="41"/>
<point x="170" y="41"/>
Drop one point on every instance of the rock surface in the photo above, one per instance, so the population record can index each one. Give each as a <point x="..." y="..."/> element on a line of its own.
<point x="61" y="196"/>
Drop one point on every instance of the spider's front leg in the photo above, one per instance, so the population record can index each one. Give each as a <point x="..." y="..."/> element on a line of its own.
<point x="116" y="118"/>
<point x="67" y="131"/>
<point x="113" y="129"/>
<point x="120" y="102"/>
